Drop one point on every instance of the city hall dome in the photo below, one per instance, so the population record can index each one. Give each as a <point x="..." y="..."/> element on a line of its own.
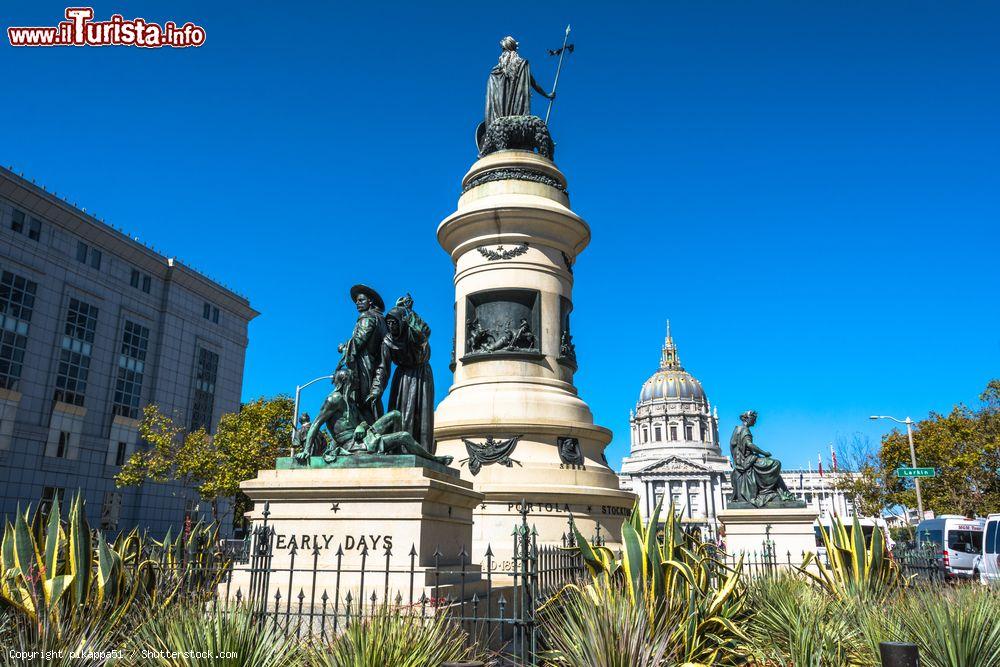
<point x="671" y="380"/>
<point x="673" y="417"/>
<point x="671" y="384"/>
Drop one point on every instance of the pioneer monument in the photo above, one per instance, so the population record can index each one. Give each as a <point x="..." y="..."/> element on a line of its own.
<point x="513" y="419"/>
<point x="512" y="441"/>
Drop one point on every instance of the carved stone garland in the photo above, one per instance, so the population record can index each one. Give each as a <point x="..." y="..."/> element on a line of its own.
<point x="489" y="452"/>
<point x="502" y="253"/>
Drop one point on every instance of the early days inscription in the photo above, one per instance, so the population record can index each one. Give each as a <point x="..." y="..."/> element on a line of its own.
<point x="325" y="541"/>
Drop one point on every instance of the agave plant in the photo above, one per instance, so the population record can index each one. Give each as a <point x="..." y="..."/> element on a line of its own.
<point x="673" y="575"/>
<point x="854" y="571"/>
<point x="393" y="636"/>
<point x="61" y="575"/>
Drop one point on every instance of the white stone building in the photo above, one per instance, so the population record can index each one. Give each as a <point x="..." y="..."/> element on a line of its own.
<point x="676" y="454"/>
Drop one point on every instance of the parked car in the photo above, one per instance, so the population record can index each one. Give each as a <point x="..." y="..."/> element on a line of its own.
<point x="989" y="565"/>
<point x="959" y="542"/>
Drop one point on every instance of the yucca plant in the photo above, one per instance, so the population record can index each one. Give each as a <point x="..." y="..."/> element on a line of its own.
<point x="189" y="636"/>
<point x="794" y="624"/>
<point x="853" y="571"/>
<point x="614" y="633"/>
<point x="394" y="636"/>
<point x="80" y="643"/>
<point x="953" y="628"/>
<point x="675" y="575"/>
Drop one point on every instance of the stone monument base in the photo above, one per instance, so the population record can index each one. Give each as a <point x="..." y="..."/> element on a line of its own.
<point x="364" y="524"/>
<point x="787" y="532"/>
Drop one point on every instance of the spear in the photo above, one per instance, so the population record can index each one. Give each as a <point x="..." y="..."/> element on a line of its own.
<point x="555" y="84"/>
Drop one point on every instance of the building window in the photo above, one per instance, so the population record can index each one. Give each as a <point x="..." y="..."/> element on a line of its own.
<point x="120" y="453"/>
<point x="645" y="434"/>
<point x="688" y="432"/>
<point x="210" y="312"/>
<point x="140" y="280"/>
<point x="657" y="434"/>
<point x="206" y="371"/>
<point x="51" y="496"/>
<point x="673" y="431"/>
<point x="131" y="367"/>
<point x="88" y="255"/>
<point x="17" y="303"/>
<point x="34" y="225"/>
<point x="63" y="447"/>
<point x="74" y="357"/>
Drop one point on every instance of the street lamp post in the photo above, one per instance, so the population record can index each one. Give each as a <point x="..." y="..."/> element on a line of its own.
<point x="913" y="455"/>
<point x="295" y="414"/>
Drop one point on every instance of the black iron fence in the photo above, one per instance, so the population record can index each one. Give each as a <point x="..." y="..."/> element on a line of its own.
<point x="309" y="592"/>
<point x="917" y="566"/>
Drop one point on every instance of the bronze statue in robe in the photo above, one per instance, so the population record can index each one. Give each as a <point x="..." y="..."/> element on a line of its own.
<point x="756" y="476"/>
<point x="407" y="345"/>
<point x="508" y="92"/>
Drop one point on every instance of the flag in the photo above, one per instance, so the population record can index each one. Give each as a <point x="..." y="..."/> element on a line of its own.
<point x="820" y="465"/>
<point x="556" y="52"/>
<point x="833" y="455"/>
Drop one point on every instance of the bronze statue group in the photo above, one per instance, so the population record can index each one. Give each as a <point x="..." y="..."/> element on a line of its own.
<point x="353" y="413"/>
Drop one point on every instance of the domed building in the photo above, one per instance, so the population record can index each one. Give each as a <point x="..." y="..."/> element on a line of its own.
<point x="675" y="453"/>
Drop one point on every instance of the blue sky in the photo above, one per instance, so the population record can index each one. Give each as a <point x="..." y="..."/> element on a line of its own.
<point x="809" y="191"/>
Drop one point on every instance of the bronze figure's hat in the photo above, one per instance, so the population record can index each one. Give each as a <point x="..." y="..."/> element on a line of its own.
<point x="370" y="293"/>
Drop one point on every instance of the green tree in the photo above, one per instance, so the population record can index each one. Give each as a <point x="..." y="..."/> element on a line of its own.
<point x="964" y="447"/>
<point x="244" y="442"/>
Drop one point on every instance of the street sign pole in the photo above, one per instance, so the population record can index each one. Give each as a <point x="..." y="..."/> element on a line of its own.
<point x="913" y="462"/>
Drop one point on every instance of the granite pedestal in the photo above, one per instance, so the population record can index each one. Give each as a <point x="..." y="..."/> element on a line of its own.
<point x="364" y="524"/>
<point x="788" y="530"/>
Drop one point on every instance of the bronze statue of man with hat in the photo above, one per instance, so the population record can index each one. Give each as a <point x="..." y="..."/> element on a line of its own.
<point x="362" y="353"/>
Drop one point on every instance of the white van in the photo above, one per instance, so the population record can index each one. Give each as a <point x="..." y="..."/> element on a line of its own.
<point x="957" y="542"/>
<point x="989" y="566"/>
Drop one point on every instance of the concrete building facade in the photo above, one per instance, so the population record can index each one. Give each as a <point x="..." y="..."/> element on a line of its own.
<point x="94" y="325"/>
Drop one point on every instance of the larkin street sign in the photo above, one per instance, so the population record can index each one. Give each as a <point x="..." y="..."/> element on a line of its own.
<point x="916" y="472"/>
